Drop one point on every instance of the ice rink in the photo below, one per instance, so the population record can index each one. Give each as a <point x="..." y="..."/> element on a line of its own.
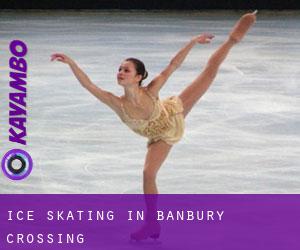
<point x="242" y="137"/>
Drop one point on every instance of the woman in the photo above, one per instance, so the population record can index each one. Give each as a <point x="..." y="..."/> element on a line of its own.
<point x="140" y="108"/>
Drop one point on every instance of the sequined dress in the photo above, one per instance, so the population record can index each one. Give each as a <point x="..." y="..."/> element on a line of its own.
<point x="165" y="123"/>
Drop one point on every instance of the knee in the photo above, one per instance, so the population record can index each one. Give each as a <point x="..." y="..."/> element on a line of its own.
<point x="149" y="175"/>
<point x="211" y="69"/>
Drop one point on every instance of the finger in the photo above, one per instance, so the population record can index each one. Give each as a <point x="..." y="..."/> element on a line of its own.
<point x="210" y="35"/>
<point x="208" y="39"/>
<point x="58" y="58"/>
<point x="53" y="58"/>
<point x="57" y="55"/>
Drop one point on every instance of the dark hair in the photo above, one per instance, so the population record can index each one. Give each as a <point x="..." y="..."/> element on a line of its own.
<point x="139" y="67"/>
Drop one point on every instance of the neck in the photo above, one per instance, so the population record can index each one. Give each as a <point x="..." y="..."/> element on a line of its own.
<point x="133" y="93"/>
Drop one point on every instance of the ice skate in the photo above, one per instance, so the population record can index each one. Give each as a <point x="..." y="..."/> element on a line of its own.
<point x="242" y="26"/>
<point x="148" y="230"/>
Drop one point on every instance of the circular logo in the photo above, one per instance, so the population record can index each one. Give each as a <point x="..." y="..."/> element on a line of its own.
<point x="16" y="164"/>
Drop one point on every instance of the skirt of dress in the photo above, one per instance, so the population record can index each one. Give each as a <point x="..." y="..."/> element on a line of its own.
<point x="174" y="108"/>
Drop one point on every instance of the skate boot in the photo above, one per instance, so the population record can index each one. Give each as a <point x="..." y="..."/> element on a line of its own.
<point x="149" y="229"/>
<point x="242" y="26"/>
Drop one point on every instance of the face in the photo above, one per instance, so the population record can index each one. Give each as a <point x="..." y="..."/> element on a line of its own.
<point x="127" y="74"/>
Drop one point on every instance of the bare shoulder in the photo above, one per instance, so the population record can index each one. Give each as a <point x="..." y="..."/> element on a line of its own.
<point x="114" y="98"/>
<point x="114" y="102"/>
<point x="153" y="92"/>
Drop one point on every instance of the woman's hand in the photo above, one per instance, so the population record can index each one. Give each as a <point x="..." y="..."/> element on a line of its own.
<point x="61" y="58"/>
<point x="203" y="38"/>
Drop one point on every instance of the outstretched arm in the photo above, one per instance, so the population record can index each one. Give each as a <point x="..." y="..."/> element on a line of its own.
<point x="156" y="84"/>
<point x="104" y="96"/>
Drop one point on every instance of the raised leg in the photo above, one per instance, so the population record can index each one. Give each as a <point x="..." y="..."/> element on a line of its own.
<point x="198" y="87"/>
<point x="192" y="93"/>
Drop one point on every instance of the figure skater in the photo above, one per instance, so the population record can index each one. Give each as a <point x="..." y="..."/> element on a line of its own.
<point x="161" y="121"/>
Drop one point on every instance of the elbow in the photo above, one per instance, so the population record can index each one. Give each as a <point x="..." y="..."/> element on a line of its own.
<point x="210" y="71"/>
<point x="87" y="84"/>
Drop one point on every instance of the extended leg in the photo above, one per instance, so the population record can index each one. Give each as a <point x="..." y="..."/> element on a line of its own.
<point x="192" y="93"/>
<point x="198" y="87"/>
